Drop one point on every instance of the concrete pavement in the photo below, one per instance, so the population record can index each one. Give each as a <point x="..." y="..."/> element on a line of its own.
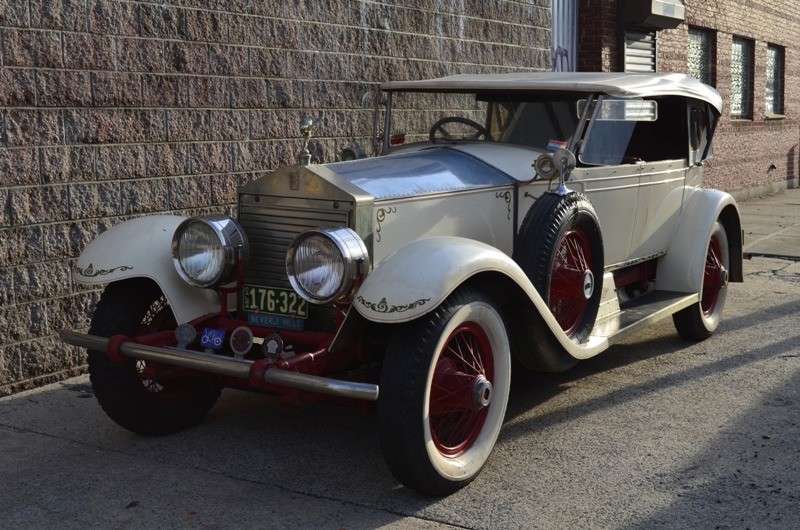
<point x="772" y="225"/>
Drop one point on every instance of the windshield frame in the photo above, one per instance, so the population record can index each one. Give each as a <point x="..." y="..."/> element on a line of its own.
<point x="384" y="138"/>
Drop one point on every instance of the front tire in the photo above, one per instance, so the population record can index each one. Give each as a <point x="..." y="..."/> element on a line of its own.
<point x="143" y="397"/>
<point x="699" y="321"/>
<point x="444" y="390"/>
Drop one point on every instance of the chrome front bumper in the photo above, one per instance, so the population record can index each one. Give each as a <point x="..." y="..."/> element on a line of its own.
<point x="228" y="366"/>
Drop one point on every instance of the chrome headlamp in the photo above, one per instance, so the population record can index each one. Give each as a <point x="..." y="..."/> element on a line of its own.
<point x="323" y="264"/>
<point x="205" y="250"/>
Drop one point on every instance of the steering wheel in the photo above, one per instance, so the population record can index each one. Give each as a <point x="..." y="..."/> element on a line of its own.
<point x="439" y="127"/>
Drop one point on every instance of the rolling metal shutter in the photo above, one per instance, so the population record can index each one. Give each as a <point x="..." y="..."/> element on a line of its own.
<point x="565" y="35"/>
<point x="640" y="51"/>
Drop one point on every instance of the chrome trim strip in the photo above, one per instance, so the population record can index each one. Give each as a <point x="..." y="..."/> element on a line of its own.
<point x="635" y="261"/>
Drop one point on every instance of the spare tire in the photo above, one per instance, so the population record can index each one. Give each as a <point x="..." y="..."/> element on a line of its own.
<point x="560" y="248"/>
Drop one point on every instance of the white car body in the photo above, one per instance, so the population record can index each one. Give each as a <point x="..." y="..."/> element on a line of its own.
<point x="541" y="217"/>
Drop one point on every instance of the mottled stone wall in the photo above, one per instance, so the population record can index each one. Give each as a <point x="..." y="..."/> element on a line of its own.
<point x="113" y="108"/>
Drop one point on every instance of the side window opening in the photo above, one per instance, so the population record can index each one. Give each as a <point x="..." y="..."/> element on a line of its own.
<point x="663" y="139"/>
<point x="699" y="131"/>
<point x="646" y="137"/>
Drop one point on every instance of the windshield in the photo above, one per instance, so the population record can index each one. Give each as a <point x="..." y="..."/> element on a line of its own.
<point x="532" y="120"/>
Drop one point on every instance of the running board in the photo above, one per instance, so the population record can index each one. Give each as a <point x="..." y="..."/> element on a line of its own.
<point x="640" y="313"/>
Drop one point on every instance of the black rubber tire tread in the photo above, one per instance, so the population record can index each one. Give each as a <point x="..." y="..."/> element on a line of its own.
<point x="689" y="324"/>
<point x="400" y="406"/>
<point x="534" y="250"/>
<point x="117" y="385"/>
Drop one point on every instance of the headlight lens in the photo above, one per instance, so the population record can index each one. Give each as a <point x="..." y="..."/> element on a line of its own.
<point x="323" y="264"/>
<point x="205" y="250"/>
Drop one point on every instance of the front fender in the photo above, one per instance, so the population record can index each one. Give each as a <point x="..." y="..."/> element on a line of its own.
<point x="681" y="269"/>
<point x="141" y="248"/>
<point x="417" y="278"/>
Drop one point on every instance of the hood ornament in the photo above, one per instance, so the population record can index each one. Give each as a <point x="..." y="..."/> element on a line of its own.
<point x="306" y="129"/>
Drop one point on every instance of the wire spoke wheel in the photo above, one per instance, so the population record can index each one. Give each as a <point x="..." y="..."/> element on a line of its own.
<point x="713" y="277"/>
<point x="444" y="390"/>
<point x="144" y="396"/>
<point x="464" y="367"/>
<point x="560" y="248"/>
<point x="571" y="263"/>
<point x="700" y="320"/>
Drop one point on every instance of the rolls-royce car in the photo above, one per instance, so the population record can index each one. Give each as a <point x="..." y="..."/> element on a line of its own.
<point x="526" y="220"/>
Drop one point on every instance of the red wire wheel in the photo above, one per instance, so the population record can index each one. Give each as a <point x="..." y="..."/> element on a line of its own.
<point x="713" y="277"/>
<point x="444" y="387"/>
<point x="571" y="270"/>
<point x="700" y="320"/>
<point x="143" y="396"/>
<point x="461" y="390"/>
<point x="560" y="248"/>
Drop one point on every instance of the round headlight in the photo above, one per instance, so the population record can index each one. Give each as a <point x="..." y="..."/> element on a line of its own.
<point x="205" y="250"/>
<point x="323" y="264"/>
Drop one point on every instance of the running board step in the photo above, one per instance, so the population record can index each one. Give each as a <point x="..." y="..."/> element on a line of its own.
<point x="640" y="313"/>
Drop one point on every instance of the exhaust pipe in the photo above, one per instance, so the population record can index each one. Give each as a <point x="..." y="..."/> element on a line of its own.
<point x="228" y="366"/>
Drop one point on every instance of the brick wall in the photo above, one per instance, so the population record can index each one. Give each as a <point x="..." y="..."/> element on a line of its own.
<point x="112" y="108"/>
<point x="598" y="38"/>
<point x="745" y="149"/>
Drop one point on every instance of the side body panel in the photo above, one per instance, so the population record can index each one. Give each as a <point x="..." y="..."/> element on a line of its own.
<point x="483" y="215"/>
<point x="638" y="205"/>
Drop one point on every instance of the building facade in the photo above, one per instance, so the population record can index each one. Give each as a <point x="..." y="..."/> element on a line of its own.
<point x="747" y="50"/>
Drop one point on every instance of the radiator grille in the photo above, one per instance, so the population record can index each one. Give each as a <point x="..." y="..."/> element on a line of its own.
<point x="271" y="225"/>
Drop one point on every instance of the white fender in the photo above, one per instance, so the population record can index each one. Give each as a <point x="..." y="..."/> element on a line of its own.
<point x="681" y="269"/>
<point x="416" y="278"/>
<point x="140" y="248"/>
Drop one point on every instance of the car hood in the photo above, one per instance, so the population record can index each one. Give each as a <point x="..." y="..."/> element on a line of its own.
<point x="420" y="172"/>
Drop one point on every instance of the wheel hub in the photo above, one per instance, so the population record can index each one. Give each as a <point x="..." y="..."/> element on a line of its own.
<point x="588" y="284"/>
<point x="481" y="392"/>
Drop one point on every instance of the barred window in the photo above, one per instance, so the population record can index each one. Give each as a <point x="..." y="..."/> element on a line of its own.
<point x="774" y="79"/>
<point x="701" y="55"/>
<point x="742" y="78"/>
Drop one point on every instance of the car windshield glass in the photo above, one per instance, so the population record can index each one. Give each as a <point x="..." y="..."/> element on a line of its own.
<point x="533" y="120"/>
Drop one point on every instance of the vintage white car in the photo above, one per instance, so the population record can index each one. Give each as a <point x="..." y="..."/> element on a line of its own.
<point x="533" y="218"/>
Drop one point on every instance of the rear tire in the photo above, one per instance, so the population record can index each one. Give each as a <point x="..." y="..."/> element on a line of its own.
<point x="444" y="389"/>
<point x="699" y="321"/>
<point x="144" y="397"/>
